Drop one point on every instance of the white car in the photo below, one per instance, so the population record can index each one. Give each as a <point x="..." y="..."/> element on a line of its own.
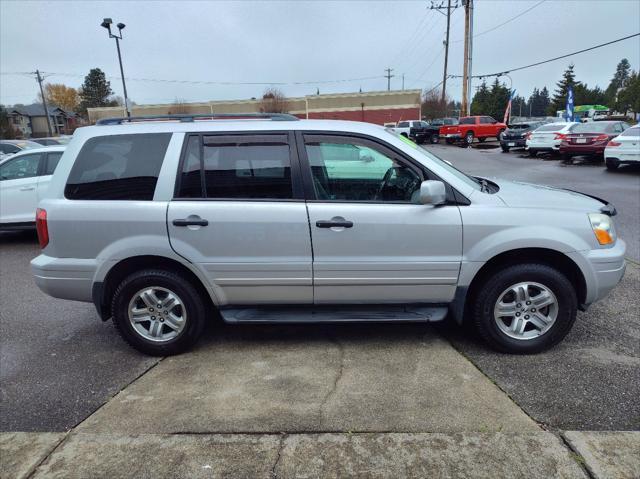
<point x="403" y="127"/>
<point x="624" y="148"/>
<point x="548" y="137"/>
<point x="24" y="179"/>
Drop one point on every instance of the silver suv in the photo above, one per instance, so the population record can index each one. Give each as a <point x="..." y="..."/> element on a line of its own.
<point x="163" y="225"/>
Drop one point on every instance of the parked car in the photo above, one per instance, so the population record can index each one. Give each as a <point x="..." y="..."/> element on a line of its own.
<point x="515" y="136"/>
<point x="161" y="223"/>
<point x="24" y="180"/>
<point x="51" y="141"/>
<point x="404" y="127"/>
<point x="390" y="124"/>
<point x="547" y="138"/>
<point x="9" y="147"/>
<point x="422" y="132"/>
<point x="590" y="139"/>
<point x="470" y="127"/>
<point x="624" y="148"/>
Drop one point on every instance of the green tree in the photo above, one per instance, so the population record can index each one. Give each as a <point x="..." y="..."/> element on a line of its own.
<point x="7" y="132"/>
<point x="480" y="101"/>
<point x="95" y="91"/>
<point x="618" y="82"/>
<point x="559" y="100"/>
<point x="629" y="96"/>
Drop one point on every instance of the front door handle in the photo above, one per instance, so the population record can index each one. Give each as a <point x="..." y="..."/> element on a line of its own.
<point x="27" y="188"/>
<point x="334" y="224"/>
<point x="191" y="221"/>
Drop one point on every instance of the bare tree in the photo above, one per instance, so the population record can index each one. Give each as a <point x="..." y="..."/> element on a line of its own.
<point x="433" y="106"/>
<point x="179" y="107"/>
<point x="274" y="101"/>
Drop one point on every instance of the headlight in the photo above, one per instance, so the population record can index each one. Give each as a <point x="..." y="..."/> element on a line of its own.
<point x="602" y="226"/>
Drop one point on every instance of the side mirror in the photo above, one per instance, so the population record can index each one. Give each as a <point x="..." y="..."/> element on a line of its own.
<point x="432" y="193"/>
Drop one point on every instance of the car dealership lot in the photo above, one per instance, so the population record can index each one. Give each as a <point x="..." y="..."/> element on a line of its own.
<point x="59" y="363"/>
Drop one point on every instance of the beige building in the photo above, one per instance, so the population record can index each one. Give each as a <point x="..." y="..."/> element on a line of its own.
<point x="374" y="107"/>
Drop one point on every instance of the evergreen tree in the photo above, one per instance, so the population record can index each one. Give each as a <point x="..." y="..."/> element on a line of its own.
<point x="479" y="103"/>
<point x="544" y="102"/>
<point x="629" y="96"/>
<point x="618" y="82"/>
<point x="559" y="100"/>
<point x="95" y="90"/>
<point x="7" y="132"/>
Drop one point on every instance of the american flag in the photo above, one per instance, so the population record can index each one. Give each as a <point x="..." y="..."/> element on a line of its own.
<point x="507" y="112"/>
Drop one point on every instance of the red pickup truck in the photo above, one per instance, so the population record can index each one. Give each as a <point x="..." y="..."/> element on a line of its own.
<point x="470" y="127"/>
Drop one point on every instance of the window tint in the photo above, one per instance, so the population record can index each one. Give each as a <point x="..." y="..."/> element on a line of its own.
<point x="25" y="166"/>
<point x="238" y="167"/>
<point x="633" y="131"/>
<point x="403" y="124"/>
<point x="593" y="127"/>
<point x="52" y="162"/>
<point x="353" y="170"/>
<point x="118" y="167"/>
<point x="8" y="148"/>
<point x="467" y="121"/>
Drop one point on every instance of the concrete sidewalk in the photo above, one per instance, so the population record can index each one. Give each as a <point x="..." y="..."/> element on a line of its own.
<point x="306" y="402"/>
<point x="391" y="455"/>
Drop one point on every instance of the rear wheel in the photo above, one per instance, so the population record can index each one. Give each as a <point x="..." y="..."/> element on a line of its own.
<point x="158" y="312"/>
<point x="525" y="308"/>
<point x="612" y="164"/>
<point x="533" y="153"/>
<point x="505" y="149"/>
<point x="468" y="137"/>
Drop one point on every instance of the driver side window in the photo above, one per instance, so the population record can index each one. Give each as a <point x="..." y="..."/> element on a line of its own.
<point x="25" y="166"/>
<point x="350" y="169"/>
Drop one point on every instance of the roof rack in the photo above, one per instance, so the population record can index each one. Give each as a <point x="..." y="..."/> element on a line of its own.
<point x="189" y="118"/>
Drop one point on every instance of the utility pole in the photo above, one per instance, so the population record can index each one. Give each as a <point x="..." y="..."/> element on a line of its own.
<point x="389" y="77"/>
<point x="438" y="9"/>
<point x="44" y="102"/>
<point x="468" y="50"/>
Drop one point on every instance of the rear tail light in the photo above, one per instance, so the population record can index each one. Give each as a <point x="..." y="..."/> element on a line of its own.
<point x="41" y="227"/>
<point x="601" y="138"/>
<point x="527" y="136"/>
<point x="614" y="143"/>
<point x="560" y="136"/>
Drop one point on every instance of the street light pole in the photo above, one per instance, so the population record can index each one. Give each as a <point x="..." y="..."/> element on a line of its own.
<point x="106" y="23"/>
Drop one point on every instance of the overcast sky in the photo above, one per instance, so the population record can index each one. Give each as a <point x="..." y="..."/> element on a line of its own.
<point x="287" y="42"/>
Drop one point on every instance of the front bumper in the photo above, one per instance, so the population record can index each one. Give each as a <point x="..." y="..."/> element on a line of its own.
<point x="65" y="278"/>
<point x="602" y="269"/>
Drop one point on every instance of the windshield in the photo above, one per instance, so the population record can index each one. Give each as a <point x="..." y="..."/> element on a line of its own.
<point x="27" y="145"/>
<point x="430" y="157"/>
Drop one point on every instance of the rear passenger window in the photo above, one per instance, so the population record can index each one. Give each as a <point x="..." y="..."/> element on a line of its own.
<point x="237" y="167"/>
<point x="118" y="167"/>
<point x="52" y="162"/>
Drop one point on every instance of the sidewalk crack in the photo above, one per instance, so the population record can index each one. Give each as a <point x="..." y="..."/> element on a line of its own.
<point x="44" y="459"/>
<point x="336" y="380"/>
<point x="576" y="456"/>
<point x="274" y="473"/>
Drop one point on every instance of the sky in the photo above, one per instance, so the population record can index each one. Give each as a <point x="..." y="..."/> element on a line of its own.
<point x="212" y="47"/>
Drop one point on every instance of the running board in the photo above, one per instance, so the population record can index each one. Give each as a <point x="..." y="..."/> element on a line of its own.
<point x="335" y="314"/>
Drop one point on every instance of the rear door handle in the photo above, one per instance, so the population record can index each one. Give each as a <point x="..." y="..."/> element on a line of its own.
<point x="190" y="222"/>
<point x="334" y="224"/>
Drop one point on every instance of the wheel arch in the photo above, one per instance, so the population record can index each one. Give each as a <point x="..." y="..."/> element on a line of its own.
<point x="553" y="258"/>
<point x="103" y="291"/>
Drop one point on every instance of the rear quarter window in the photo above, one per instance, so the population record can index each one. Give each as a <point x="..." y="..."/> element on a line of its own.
<point x="118" y="167"/>
<point x="468" y="121"/>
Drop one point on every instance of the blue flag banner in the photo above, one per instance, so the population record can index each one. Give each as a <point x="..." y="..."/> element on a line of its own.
<point x="568" y="113"/>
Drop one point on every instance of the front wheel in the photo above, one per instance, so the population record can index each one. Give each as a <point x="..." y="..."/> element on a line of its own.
<point x="468" y="138"/>
<point x="525" y="308"/>
<point x="434" y="139"/>
<point x="505" y="149"/>
<point x="158" y="312"/>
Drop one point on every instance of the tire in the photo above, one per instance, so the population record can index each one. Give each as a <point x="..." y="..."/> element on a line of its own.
<point x="481" y="140"/>
<point x="405" y="135"/>
<point x="434" y="139"/>
<point x="536" y="275"/>
<point x="468" y="137"/>
<point x="191" y="308"/>
<point x="612" y="165"/>
<point x="505" y="149"/>
<point x="566" y="158"/>
<point x="533" y="153"/>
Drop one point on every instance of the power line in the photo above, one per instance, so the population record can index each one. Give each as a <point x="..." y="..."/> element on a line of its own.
<point x="207" y="82"/>
<point x="511" y="70"/>
<point x="504" y="23"/>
